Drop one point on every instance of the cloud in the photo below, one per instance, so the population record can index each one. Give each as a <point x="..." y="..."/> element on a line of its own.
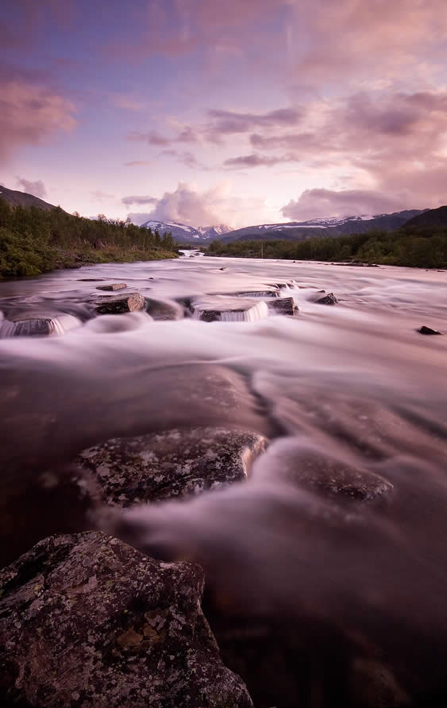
<point x="220" y="124"/>
<point x="231" y="122"/>
<point x="348" y="202"/>
<point x="188" y="205"/>
<point x="100" y="196"/>
<point x="258" y="161"/>
<point x="137" y="163"/>
<point x="186" y="158"/>
<point x="36" y="188"/>
<point x="30" y="112"/>
<point x="129" y="201"/>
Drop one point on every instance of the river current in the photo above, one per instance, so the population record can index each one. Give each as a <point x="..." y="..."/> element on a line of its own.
<point x="353" y="386"/>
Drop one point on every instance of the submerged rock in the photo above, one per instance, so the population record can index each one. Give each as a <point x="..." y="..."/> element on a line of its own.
<point x="226" y="309"/>
<point x="428" y="330"/>
<point x="327" y="300"/>
<point x="37" y="325"/>
<point x="131" y="302"/>
<point x="283" y="306"/>
<point x="162" y="310"/>
<point x="88" y="621"/>
<point x="112" y="286"/>
<point x="308" y="467"/>
<point x="171" y="464"/>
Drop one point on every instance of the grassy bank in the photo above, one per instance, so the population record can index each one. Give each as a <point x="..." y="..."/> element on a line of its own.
<point x="34" y="241"/>
<point x="422" y="247"/>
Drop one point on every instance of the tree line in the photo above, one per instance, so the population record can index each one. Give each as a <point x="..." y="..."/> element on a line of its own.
<point x="422" y="247"/>
<point x="33" y="241"/>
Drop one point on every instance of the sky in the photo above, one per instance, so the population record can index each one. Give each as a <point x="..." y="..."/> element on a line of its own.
<point x="238" y="112"/>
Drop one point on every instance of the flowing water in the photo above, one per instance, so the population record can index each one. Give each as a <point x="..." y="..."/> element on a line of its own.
<point x="349" y="387"/>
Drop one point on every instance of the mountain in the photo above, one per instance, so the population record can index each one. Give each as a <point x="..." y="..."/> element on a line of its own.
<point x="322" y="227"/>
<point x="430" y="217"/>
<point x="187" y="234"/>
<point x="23" y="199"/>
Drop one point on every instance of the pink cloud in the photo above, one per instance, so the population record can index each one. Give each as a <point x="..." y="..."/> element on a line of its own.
<point x="30" y="112"/>
<point x="353" y="202"/>
<point x="36" y="188"/>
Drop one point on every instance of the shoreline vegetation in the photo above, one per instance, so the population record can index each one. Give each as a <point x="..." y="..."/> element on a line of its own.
<point x="411" y="246"/>
<point x="34" y="241"/>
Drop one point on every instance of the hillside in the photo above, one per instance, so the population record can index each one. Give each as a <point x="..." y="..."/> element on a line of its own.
<point x="37" y="239"/>
<point x="414" y="246"/>
<point x="22" y="199"/>
<point x="321" y="228"/>
<point x="432" y="217"/>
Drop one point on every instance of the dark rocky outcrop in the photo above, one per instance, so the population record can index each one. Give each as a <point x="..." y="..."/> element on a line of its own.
<point x="112" y="286"/>
<point x="428" y="330"/>
<point x="171" y="464"/>
<point x="329" y="299"/>
<point x="88" y="621"/>
<point x="130" y="302"/>
<point x="283" y="306"/>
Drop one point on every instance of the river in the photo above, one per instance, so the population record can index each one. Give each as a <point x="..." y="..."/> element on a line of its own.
<point x="354" y="384"/>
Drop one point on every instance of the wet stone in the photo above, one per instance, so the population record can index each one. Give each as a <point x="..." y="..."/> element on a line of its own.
<point x="112" y="286"/>
<point x="131" y="302"/>
<point x="428" y="330"/>
<point x="283" y="306"/>
<point x="308" y="467"/>
<point x="161" y="310"/>
<point x="86" y="620"/>
<point x="37" y="326"/>
<point x="176" y="463"/>
<point x="329" y="299"/>
<point x="227" y="309"/>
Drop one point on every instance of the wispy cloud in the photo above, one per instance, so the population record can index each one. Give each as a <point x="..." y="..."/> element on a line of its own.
<point x="36" y="188"/>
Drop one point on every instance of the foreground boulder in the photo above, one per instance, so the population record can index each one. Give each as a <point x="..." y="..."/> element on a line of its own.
<point x="37" y="325"/>
<point x="131" y="302"/>
<point x="88" y="621"/>
<point x="170" y="464"/>
<point x="226" y="309"/>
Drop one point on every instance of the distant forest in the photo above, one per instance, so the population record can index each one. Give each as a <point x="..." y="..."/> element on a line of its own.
<point x="33" y="241"/>
<point x="416" y="246"/>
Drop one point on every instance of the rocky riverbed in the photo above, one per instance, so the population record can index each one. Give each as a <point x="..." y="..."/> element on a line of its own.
<point x="223" y="485"/>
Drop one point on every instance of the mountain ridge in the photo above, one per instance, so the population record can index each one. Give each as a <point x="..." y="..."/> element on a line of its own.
<point x="322" y="227"/>
<point x="16" y="198"/>
<point x="183" y="233"/>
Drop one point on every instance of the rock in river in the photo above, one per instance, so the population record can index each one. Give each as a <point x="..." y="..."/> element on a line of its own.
<point x="283" y="306"/>
<point x="171" y="464"/>
<point x="327" y="300"/>
<point x="112" y="286"/>
<point x="428" y="330"/>
<point x="86" y="620"/>
<point x="37" y="325"/>
<point x="130" y="302"/>
<point x="228" y="309"/>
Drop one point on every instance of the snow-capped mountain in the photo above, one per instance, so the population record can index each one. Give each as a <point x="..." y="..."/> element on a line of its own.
<point x="187" y="234"/>
<point x="327" y="226"/>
